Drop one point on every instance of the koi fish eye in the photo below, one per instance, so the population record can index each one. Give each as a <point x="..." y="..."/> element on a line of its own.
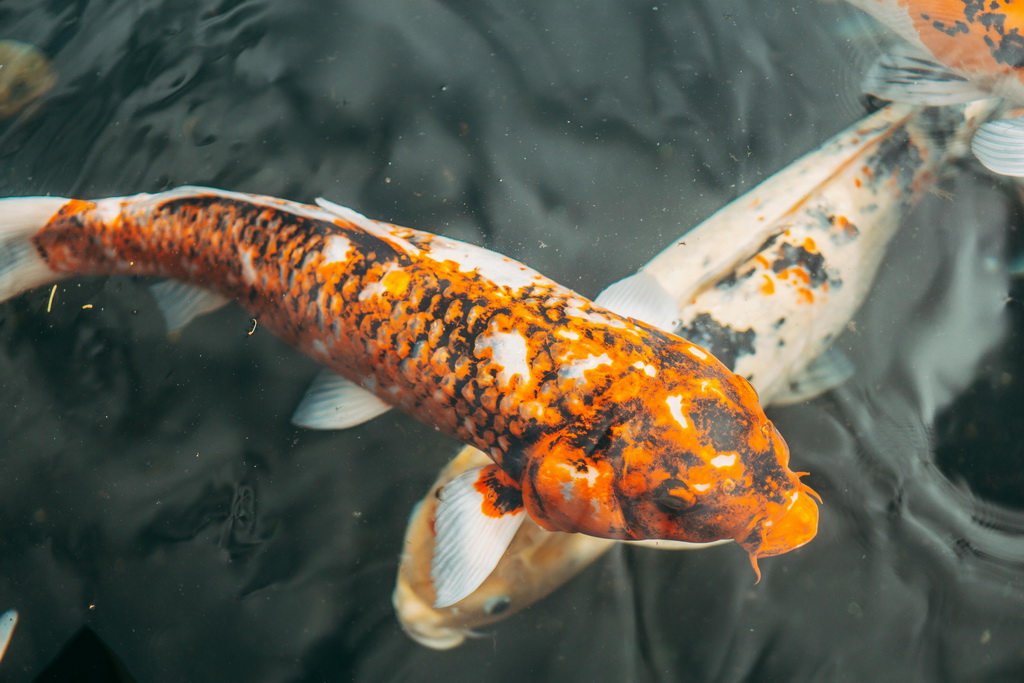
<point x="728" y="486"/>
<point x="675" y="496"/>
<point x="497" y="605"/>
<point x="671" y="502"/>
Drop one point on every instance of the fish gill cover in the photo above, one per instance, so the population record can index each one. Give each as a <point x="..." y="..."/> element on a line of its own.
<point x="155" y="492"/>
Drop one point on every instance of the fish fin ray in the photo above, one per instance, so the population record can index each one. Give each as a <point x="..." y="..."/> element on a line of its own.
<point x="333" y="402"/>
<point x="375" y="228"/>
<point x="905" y="75"/>
<point x="21" y="266"/>
<point x="324" y="211"/>
<point x="999" y="146"/>
<point x="469" y="543"/>
<point x="824" y="373"/>
<point x="642" y="297"/>
<point x="181" y="303"/>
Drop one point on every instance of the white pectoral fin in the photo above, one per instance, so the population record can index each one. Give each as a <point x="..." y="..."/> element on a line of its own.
<point x="642" y="297"/>
<point x="181" y="303"/>
<point x="907" y="76"/>
<point x="825" y="372"/>
<point x="21" y="266"/>
<point x="8" y="620"/>
<point x="333" y="402"/>
<point x="661" y="544"/>
<point x="999" y="146"/>
<point x="469" y="543"/>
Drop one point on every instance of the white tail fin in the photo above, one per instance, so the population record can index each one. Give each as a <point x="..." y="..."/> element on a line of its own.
<point x="21" y="267"/>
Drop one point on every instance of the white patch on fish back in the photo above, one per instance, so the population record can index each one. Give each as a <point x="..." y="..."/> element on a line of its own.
<point x="697" y="352"/>
<point x="724" y="460"/>
<point x="590" y="475"/>
<point x="675" y="407"/>
<point x="372" y="289"/>
<point x="498" y="269"/>
<point x="648" y="369"/>
<point x="336" y="250"/>
<point x="593" y="317"/>
<point x="249" y="275"/>
<point x="508" y="351"/>
<point x="108" y="210"/>
<point x="376" y="288"/>
<point x="577" y="368"/>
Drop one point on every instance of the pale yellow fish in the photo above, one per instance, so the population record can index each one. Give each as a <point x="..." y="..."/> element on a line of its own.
<point x="536" y="563"/>
<point x="25" y="76"/>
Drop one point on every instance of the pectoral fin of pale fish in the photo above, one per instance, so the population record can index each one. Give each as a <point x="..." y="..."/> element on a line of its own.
<point x="641" y="297"/>
<point x="999" y="146"/>
<point x="478" y="515"/>
<point x="826" y="372"/>
<point x="333" y="402"/>
<point x="181" y="303"/>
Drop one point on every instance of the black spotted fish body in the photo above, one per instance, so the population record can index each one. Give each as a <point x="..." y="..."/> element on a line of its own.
<point x="596" y="422"/>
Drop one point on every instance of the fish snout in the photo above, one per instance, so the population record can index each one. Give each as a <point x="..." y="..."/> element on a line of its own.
<point x="776" y="535"/>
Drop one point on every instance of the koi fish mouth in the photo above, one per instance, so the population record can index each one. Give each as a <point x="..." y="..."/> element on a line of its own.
<point x="795" y="527"/>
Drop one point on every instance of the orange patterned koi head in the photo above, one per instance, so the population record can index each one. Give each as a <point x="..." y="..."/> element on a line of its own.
<point x="687" y="454"/>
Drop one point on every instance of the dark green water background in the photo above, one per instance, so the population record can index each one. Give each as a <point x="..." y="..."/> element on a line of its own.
<point x="155" y="492"/>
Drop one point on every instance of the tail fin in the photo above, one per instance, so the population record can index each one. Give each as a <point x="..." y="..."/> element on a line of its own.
<point x="21" y="266"/>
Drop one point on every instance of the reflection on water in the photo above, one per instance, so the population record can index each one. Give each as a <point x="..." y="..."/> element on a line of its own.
<point x="155" y="492"/>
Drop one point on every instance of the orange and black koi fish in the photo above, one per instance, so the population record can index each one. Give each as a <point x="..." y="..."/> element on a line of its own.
<point x="767" y="284"/>
<point x="597" y="423"/>
<point x="957" y="51"/>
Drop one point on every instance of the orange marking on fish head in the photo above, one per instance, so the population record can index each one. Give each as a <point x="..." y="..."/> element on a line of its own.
<point x="769" y="286"/>
<point x="724" y="471"/>
<point x="783" y="527"/>
<point x="567" y="490"/>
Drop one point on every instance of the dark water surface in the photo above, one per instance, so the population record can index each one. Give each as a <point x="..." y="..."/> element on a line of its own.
<point x="155" y="492"/>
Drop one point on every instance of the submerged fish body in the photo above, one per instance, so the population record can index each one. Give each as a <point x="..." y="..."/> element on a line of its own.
<point x="596" y="423"/>
<point x="979" y="41"/>
<point x="957" y="51"/>
<point x="766" y="284"/>
<point x="816" y="233"/>
<point x="25" y="76"/>
<point x="536" y="563"/>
